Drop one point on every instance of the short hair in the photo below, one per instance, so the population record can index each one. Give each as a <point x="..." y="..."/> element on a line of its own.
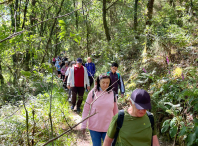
<point x="114" y="64"/>
<point x="72" y="63"/>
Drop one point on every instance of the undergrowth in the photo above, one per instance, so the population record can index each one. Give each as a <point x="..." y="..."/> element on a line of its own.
<point x="36" y="97"/>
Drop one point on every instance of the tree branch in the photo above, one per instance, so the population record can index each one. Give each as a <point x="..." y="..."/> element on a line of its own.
<point x="111" y="5"/>
<point x="20" y="32"/>
<point x="68" y="130"/>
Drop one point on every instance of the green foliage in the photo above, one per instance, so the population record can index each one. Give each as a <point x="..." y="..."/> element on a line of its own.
<point x="13" y="118"/>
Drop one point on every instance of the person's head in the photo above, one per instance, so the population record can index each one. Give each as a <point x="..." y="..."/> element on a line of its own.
<point x="140" y="102"/>
<point x="103" y="81"/>
<point x="79" y="62"/>
<point x="89" y="59"/>
<point x="72" y="63"/>
<point x="66" y="63"/>
<point x="60" y="63"/>
<point x="114" y="67"/>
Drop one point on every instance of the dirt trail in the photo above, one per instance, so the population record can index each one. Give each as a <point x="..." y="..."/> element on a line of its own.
<point x="80" y="139"/>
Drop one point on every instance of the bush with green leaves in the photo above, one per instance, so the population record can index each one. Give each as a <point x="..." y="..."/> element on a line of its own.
<point x="36" y="99"/>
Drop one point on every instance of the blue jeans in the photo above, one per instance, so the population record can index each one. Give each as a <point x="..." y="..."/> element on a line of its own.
<point x="96" y="137"/>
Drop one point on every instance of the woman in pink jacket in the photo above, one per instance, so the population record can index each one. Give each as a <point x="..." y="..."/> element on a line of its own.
<point x="105" y="106"/>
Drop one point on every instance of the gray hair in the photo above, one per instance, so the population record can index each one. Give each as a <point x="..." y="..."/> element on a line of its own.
<point x="132" y="101"/>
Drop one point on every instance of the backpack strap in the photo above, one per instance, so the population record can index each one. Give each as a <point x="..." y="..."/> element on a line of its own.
<point x="114" y="96"/>
<point x="151" y="118"/>
<point x="93" y="95"/>
<point x="119" y="125"/>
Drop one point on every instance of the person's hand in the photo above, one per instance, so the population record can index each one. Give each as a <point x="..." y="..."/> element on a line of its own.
<point x="68" y="87"/>
<point x="122" y="95"/>
<point x="88" y="88"/>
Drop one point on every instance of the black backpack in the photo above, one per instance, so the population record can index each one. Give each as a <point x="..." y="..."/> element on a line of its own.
<point x="113" y="93"/>
<point x="120" y="122"/>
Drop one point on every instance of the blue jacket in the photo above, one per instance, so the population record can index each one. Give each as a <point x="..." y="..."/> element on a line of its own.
<point x="90" y="69"/>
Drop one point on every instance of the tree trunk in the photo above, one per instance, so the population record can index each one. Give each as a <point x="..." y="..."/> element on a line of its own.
<point x="51" y="33"/>
<point x="105" y="21"/>
<point x="16" y="10"/>
<point x="12" y="16"/>
<point x="25" y="11"/>
<point x="88" y="51"/>
<point x="149" y="40"/>
<point x="76" y="14"/>
<point x="1" y="75"/>
<point x="135" y="15"/>
<point x="32" y="21"/>
<point x="15" y="67"/>
<point x="150" y="12"/>
<point x="32" y="16"/>
<point x="13" y="9"/>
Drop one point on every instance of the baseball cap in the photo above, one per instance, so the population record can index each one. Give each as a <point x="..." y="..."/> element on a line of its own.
<point x="79" y="60"/>
<point x="141" y="99"/>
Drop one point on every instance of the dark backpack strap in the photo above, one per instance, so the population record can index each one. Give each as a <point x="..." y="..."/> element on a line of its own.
<point x="93" y="95"/>
<point x="151" y="118"/>
<point x="114" y="96"/>
<point x="119" y="125"/>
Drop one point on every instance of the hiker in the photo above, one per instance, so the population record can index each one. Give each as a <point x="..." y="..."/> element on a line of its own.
<point x="58" y="68"/>
<point x="63" y="70"/>
<point x="77" y="80"/>
<point x="116" y="80"/>
<point x="90" y="70"/>
<point x="105" y="106"/>
<point x="54" y="60"/>
<point x="72" y="64"/>
<point x="137" y="128"/>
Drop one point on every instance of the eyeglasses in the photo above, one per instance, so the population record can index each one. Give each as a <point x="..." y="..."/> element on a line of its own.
<point x="103" y="75"/>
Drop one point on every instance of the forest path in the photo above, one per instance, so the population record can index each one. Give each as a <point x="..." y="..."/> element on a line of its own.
<point x="80" y="139"/>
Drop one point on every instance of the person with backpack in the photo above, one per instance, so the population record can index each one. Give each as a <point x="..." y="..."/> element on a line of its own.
<point x="58" y="68"/>
<point x="105" y="106"/>
<point x="63" y="70"/>
<point x="77" y="80"/>
<point x="134" y="126"/>
<point x="116" y="80"/>
<point x="90" y="70"/>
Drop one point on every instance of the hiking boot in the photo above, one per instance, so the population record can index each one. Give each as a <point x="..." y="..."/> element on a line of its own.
<point x="78" y="110"/>
<point x="72" y="107"/>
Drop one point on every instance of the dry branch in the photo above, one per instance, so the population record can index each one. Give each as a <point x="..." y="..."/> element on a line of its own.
<point x="68" y="130"/>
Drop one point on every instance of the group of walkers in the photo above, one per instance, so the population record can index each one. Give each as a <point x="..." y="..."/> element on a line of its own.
<point x="130" y="127"/>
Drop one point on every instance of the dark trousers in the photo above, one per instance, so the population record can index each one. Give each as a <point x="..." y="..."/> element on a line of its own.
<point x="77" y="91"/>
<point x="62" y="76"/>
<point x="65" y="83"/>
<point x="90" y="80"/>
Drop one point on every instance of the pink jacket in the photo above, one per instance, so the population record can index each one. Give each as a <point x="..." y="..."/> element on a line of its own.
<point x="105" y="107"/>
<point x="63" y="70"/>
